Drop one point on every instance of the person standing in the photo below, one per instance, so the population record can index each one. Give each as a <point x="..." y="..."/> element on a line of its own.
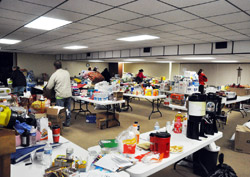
<point x="106" y="75"/>
<point x="202" y="80"/>
<point x="60" y="81"/>
<point x="18" y="81"/>
<point x="140" y="76"/>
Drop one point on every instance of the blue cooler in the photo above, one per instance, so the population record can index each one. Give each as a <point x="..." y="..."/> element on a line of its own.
<point x="91" y="118"/>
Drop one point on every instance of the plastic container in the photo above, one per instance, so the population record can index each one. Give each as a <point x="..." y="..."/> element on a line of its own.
<point x="162" y="143"/>
<point x="33" y="136"/>
<point x="137" y="133"/>
<point x="157" y="126"/>
<point x="47" y="155"/>
<point x="108" y="145"/>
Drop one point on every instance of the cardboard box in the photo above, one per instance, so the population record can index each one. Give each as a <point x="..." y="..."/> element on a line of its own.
<point x="57" y="115"/>
<point x="240" y="91"/>
<point x="118" y="96"/>
<point x="101" y="120"/>
<point x="242" y="139"/>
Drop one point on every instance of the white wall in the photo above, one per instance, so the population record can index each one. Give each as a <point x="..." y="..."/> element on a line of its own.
<point x="220" y="74"/>
<point x="38" y="63"/>
<point x="75" y="67"/>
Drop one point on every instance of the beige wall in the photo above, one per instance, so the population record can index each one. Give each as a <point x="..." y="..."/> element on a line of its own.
<point x="175" y="70"/>
<point x="75" y="67"/>
<point x="38" y="63"/>
<point x="150" y="69"/>
<point x="220" y="74"/>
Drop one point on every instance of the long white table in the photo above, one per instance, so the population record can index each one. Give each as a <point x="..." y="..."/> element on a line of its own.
<point x="37" y="169"/>
<point x="191" y="146"/>
<point x="151" y="99"/>
<point x="238" y="100"/>
<point x="86" y="101"/>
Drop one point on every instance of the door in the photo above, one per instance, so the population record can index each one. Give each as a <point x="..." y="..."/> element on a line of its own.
<point x="6" y="63"/>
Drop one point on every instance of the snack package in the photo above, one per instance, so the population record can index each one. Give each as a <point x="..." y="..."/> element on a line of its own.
<point x="43" y="128"/>
<point x="127" y="141"/>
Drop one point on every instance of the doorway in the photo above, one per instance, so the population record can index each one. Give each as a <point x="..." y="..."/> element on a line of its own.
<point x="6" y="63"/>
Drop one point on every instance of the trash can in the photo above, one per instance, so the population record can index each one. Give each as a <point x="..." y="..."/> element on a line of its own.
<point x="208" y="158"/>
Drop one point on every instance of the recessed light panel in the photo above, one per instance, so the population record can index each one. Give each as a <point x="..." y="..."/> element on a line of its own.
<point x="9" y="41"/>
<point x="138" y="38"/>
<point x="198" y="58"/>
<point x="47" y="23"/>
<point x="133" y="59"/>
<point x="76" y="47"/>
<point x="225" y="61"/>
<point x="96" y="61"/>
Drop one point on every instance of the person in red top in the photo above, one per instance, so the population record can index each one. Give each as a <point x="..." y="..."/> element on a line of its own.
<point x="202" y="80"/>
<point x="140" y="76"/>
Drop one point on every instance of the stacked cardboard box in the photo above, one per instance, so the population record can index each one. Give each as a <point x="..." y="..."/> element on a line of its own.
<point x="240" y="91"/>
<point x="118" y="96"/>
<point x="103" y="119"/>
<point x="57" y="116"/>
<point x="242" y="139"/>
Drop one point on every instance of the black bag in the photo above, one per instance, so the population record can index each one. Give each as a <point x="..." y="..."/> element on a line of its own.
<point x="223" y="170"/>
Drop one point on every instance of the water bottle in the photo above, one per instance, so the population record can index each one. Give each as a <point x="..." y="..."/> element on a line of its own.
<point x="157" y="126"/>
<point x="33" y="136"/>
<point x="47" y="156"/>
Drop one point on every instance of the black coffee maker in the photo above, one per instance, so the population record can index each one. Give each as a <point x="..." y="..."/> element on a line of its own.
<point x="213" y="110"/>
<point x="196" y="112"/>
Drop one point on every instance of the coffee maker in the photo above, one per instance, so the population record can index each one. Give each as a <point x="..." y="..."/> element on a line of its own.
<point x="213" y="111"/>
<point x="196" y="112"/>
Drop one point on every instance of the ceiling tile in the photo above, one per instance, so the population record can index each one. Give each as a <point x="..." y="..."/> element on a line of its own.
<point x="230" y="18"/>
<point x="85" y="7"/>
<point x="211" y="29"/>
<point x="16" y="15"/>
<point x="167" y="35"/>
<point x="124" y="27"/>
<point x="120" y="15"/>
<point x="46" y="2"/>
<point x="145" y="31"/>
<point x="186" y="32"/>
<point x="245" y="31"/>
<point x="212" y="9"/>
<point x="146" y="22"/>
<point x="242" y="4"/>
<point x="175" y="16"/>
<point x="237" y="37"/>
<point x="145" y="7"/>
<point x="65" y="15"/>
<point x="86" y="35"/>
<point x="21" y="6"/>
<point x="82" y="26"/>
<point x="195" y="23"/>
<point x="168" y="27"/>
<point x="200" y="36"/>
<point x="106" y="31"/>
<point x="113" y="2"/>
<point x="226" y="33"/>
<point x="67" y="30"/>
<point x="97" y="21"/>
<point x="241" y="25"/>
<point x="185" y="3"/>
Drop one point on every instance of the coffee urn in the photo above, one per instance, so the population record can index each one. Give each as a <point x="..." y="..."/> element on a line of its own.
<point x="196" y="111"/>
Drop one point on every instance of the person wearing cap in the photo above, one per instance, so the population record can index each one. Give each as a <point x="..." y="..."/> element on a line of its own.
<point x="60" y="81"/>
<point x="202" y="80"/>
<point x="140" y="76"/>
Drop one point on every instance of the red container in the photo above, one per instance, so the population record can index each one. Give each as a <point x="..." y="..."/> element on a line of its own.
<point x="152" y="142"/>
<point x="178" y="126"/>
<point x="162" y="142"/>
<point x="56" y="133"/>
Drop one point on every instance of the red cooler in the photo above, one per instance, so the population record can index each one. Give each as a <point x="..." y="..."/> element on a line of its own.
<point x="162" y="143"/>
<point x="56" y="133"/>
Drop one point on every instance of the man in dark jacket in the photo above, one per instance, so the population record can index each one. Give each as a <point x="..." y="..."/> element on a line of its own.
<point x="18" y="81"/>
<point x="106" y="74"/>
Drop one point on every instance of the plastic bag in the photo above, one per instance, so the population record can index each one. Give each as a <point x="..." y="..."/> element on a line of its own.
<point x="127" y="141"/>
<point x="223" y="170"/>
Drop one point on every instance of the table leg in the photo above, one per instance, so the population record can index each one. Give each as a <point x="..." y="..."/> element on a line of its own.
<point x="127" y="99"/>
<point x="81" y="109"/>
<point x="158" y="102"/>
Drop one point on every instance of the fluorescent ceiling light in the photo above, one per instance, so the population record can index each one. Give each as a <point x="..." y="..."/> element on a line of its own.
<point x="126" y="62"/>
<point x="76" y="47"/>
<point x="225" y="61"/>
<point x="138" y="38"/>
<point x="9" y="41"/>
<point x="133" y="59"/>
<point x="163" y="61"/>
<point x="198" y="58"/>
<point x="96" y="61"/>
<point x="46" y="23"/>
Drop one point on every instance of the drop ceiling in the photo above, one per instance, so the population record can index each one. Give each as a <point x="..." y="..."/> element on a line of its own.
<point x="98" y="23"/>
